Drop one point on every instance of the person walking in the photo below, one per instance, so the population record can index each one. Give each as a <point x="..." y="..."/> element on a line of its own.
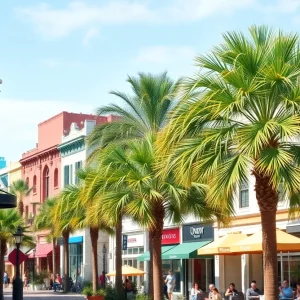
<point x="170" y="281"/>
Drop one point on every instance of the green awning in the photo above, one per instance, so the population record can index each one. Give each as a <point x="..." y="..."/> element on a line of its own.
<point x="185" y="250"/>
<point x="146" y="255"/>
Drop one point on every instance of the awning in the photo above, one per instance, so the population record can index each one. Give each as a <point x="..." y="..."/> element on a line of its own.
<point x="42" y="250"/>
<point x="128" y="271"/>
<point x="253" y="244"/>
<point x="222" y="245"/>
<point x="185" y="250"/>
<point x="146" y="255"/>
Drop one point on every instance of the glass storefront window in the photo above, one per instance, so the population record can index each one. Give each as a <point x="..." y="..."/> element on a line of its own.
<point x="135" y="251"/>
<point x="290" y="269"/>
<point x="75" y="259"/>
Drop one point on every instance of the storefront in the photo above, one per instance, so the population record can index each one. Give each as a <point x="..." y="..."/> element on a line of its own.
<point x="135" y="247"/>
<point x="192" y="266"/>
<point x="75" y="256"/>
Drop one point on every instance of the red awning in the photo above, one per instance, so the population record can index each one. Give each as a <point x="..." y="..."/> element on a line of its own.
<point x="42" y="250"/>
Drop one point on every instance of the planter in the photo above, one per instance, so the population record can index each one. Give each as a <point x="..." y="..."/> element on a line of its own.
<point x="38" y="287"/>
<point x="94" y="297"/>
<point x="31" y="287"/>
<point x="47" y="282"/>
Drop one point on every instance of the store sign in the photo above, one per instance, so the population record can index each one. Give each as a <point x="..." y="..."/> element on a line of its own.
<point x="135" y="240"/>
<point x="170" y="236"/>
<point x="197" y="232"/>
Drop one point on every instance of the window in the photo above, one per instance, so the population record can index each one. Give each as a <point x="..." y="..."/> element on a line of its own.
<point x="34" y="185"/>
<point x="56" y="177"/>
<point x="27" y="180"/>
<point x="46" y="185"/>
<point x="78" y="165"/>
<point x="244" y="195"/>
<point x="66" y="175"/>
<point x="26" y="213"/>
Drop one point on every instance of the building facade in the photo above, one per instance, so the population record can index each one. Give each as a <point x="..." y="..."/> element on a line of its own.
<point x="41" y="168"/>
<point x="74" y="152"/>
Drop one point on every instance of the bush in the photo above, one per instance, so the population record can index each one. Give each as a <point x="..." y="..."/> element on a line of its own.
<point x="87" y="283"/>
<point x="110" y="293"/>
<point x="142" y="297"/>
<point x="87" y="291"/>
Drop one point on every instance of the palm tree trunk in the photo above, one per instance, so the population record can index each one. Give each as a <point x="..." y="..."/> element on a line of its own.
<point x="119" y="286"/>
<point x="159" y="214"/>
<point x="94" y="234"/>
<point x="267" y="200"/>
<point x="53" y="258"/>
<point x="21" y="207"/>
<point x="150" y="287"/>
<point x="2" y="263"/>
<point x="65" y="235"/>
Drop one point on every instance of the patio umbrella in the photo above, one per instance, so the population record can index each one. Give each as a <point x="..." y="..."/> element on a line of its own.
<point x="253" y="244"/>
<point x="128" y="271"/>
<point x="222" y="245"/>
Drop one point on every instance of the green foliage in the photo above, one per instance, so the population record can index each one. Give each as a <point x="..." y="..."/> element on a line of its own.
<point x="39" y="278"/>
<point x="87" y="291"/>
<point x="142" y="297"/>
<point x="44" y="274"/>
<point x="110" y="293"/>
<point x="86" y="283"/>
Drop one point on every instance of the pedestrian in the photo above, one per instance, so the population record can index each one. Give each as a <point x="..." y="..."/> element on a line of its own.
<point x="170" y="281"/>
<point x="5" y="279"/>
<point x="57" y="282"/>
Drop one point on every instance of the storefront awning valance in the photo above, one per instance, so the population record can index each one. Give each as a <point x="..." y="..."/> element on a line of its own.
<point x="146" y="255"/>
<point x="222" y="245"/>
<point x="42" y="250"/>
<point x="184" y="251"/>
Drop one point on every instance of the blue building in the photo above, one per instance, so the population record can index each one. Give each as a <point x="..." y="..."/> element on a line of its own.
<point x="2" y="163"/>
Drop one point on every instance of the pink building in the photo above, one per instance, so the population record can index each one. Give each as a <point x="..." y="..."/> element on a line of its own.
<point x="41" y="166"/>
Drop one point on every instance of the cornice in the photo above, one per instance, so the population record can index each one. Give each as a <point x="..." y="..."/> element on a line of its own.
<point x="72" y="147"/>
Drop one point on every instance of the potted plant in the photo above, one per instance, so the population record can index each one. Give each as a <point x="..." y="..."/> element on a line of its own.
<point x="38" y="282"/>
<point x="45" y="275"/>
<point x="90" y="295"/>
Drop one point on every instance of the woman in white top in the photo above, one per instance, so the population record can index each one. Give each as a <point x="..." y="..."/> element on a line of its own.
<point x="195" y="291"/>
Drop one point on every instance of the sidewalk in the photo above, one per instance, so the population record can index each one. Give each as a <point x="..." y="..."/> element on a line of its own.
<point x="36" y="295"/>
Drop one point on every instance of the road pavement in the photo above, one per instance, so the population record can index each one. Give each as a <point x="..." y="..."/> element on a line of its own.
<point x="43" y="295"/>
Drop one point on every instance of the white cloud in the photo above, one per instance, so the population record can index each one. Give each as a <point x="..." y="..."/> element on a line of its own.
<point x="59" y="22"/>
<point x="165" y="55"/>
<point x="20" y="118"/>
<point x="92" y="32"/>
<point x="54" y="22"/>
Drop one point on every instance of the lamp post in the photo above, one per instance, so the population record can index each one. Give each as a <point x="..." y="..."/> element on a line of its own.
<point x="33" y="270"/>
<point x="18" y="284"/>
<point x="104" y="261"/>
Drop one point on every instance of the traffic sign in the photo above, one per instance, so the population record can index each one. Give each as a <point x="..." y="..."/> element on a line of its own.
<point x="12" y="257"/>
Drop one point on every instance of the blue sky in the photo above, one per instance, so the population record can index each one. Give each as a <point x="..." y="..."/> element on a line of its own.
<point x="67" y="55"/>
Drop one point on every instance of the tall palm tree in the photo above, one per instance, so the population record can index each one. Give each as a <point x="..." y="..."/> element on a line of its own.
<point x="241" y="114"/>
<point x="141" y="113"/>
<point x="133" y="188"/>
<point x="20" y="189"/>
<point x="144" y="111"/>
<point x="86" y="219"/>
<point x="10" y="220"/>
<point x="44" y="221"/>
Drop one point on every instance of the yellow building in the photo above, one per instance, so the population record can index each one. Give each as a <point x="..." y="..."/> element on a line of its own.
<point x="14" y="172"/>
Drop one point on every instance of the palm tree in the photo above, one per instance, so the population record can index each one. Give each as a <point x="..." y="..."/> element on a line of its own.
<point x="86" y="219"/>
<point x="133" y="188"/>
<point x="44" y="221"/>
<point x="10" y="220"/>
<point x="20" y="189"/>
<point x="143" y="112"/>
<point x="241" y="113"/>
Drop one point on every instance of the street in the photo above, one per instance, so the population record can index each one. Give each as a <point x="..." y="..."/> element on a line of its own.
<point x="36" y="295"/>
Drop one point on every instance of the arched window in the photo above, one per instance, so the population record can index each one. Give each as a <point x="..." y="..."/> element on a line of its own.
<point x="34" y="184"/>
<point x="46" y="183"/>
<point x="27" y="180"/>
<point x="56" y="177"/>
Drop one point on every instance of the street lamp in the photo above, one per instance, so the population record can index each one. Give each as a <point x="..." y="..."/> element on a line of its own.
<point x="104" y="261"/>
<point x="33" y="251"/>
<point x="18" y="284"/>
